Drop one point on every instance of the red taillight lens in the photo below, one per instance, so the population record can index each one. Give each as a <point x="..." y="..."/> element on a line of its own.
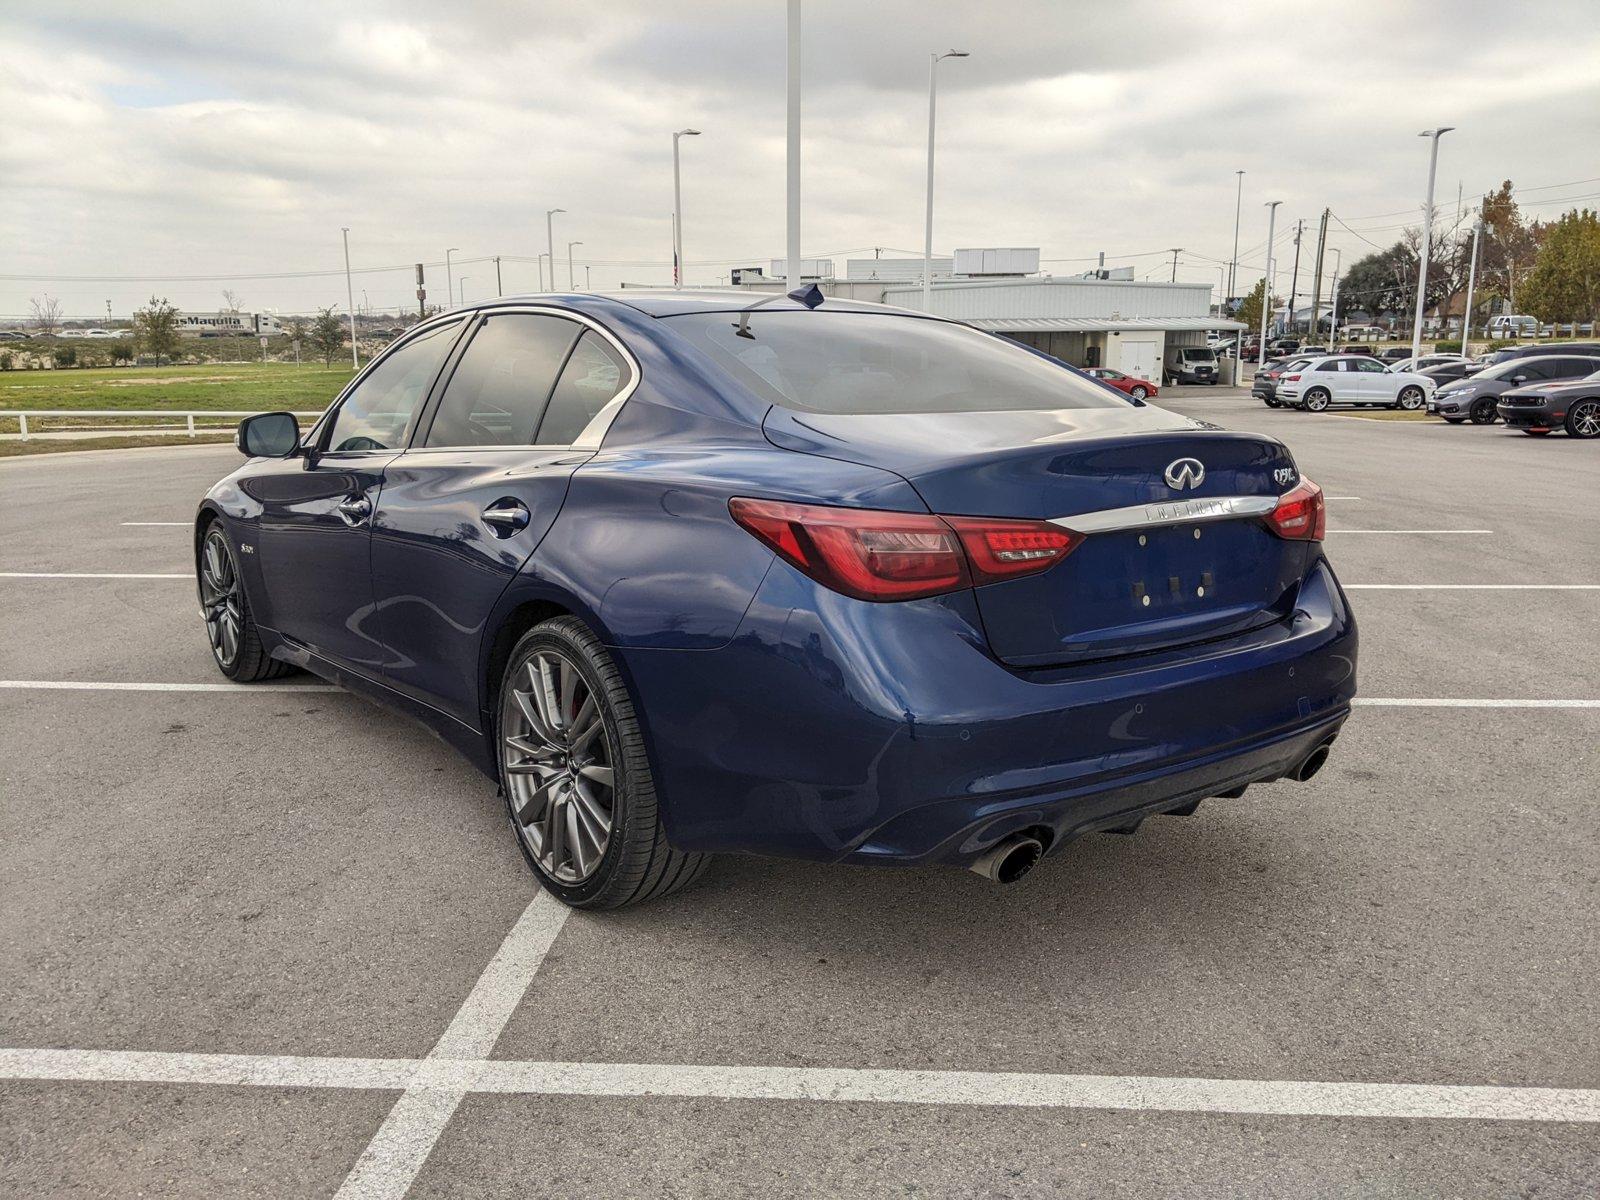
<point x="1291" y="378"/>
<point x="875" y="555"/>
<point x="1301" y="514"/>
<point x="998" y="549"/>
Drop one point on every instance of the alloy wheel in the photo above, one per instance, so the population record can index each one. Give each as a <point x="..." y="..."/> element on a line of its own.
<point x="1584" y="419"/>
<point x="1411" y="399"/>
<point x="556" y="760"/>
<point x="219" y="599"/>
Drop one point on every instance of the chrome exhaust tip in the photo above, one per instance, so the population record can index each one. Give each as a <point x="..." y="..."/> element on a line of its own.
<point x="1311" y="763"/>
<point x="1009" y="859"/>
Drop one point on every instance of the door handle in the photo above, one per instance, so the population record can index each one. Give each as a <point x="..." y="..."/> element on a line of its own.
<point x="506" y="517"/>
<point x="355" y="510"/>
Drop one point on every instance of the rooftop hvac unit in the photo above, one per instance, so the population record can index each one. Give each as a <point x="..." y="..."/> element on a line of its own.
<point x="810" y="268"/>
<point x="998" y="260"/>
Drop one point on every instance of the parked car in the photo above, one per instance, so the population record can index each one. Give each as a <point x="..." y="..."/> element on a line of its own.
<point x="1283" y="345"/>
<point x="1312" y="350"/>
<point x="1139" y="389"/>
<point x="1351" y="379"/>
<point x="1450" y="371"/>
<point x="1393" y="354"/>
<point x="1570" y="405"/>
<point x="13" y="335"/>
<point x="1476" y="397"/>
<point x="1427" y="361"/>
<point x="1264" y="386"/>
<point x="1512" y="325"/>
<point x="1506" y="354"/>
<point x="676" y="571"/>
<point x="1353" y="348"/>
<point x="1189" y="364"/>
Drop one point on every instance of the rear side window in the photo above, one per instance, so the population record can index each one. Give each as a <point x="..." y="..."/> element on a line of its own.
<point x="376" y="414"/>
<point x="498" y="390"/>
<point x="594" y="373"/>
<point x="858" y="363"/>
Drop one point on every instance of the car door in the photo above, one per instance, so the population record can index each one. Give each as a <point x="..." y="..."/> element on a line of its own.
<point x="1374" y="382"/>
<point x="313" y="533"/>
<point x="487" y="472"/>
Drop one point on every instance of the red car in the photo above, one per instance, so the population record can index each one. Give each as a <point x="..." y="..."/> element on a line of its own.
<point x="1139" y="389"/>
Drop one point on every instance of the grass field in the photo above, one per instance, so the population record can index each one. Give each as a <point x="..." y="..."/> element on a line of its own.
<point x="15" y="448"/>
<point x="253" y="386"/>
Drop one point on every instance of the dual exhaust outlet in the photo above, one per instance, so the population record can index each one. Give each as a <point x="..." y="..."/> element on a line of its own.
<point x="1009" y="859"/>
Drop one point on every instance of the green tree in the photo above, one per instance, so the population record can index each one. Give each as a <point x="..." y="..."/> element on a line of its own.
<point x="1565" y="282"/>
<point x="327" y="334"/>
<point x="155" y="328"/>
<point x="1384" y="282"/>
<point x="1250" y="306"/>
<point x="1509" y="245"/>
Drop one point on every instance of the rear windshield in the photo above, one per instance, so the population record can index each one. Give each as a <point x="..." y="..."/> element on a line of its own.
<point x="857" y="363"/>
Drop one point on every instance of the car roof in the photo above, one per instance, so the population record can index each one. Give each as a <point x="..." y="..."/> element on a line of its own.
<point x="667" y="302"/>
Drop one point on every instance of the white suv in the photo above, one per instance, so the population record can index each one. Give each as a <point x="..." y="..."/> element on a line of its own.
<point x="1352" y="379"/>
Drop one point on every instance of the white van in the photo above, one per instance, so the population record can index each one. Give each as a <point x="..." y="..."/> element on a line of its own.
<point x="1190" y="364"/>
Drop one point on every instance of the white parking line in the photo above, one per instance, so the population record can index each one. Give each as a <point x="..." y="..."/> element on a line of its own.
<point x="1341" y="497"/>
<point x="1333" y="531"/>
<point x="407" y="1136"/>
<point x="1472" y="587"/>
<point x="83" y="575"/>
<point x="181" y="524"/>
<point x="64" y="685"/>
<point x="1378" y="702"/>
<point x="444" y="1081"/>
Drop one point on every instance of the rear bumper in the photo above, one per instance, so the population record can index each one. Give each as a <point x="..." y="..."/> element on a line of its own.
<point x="834" y="730"/>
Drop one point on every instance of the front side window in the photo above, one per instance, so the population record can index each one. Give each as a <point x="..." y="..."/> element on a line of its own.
<point x="861" y="363"/>
<point x="376" y="414"/>
<point x="594" y="373"/>
<point x="498" y="390"/>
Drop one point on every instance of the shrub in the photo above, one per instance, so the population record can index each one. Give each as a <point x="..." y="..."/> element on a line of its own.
<point x="5" y="360"/>
<point x="1453" y="347"/>
<point x="122" y="352"/>
<point x="67" y="356"/>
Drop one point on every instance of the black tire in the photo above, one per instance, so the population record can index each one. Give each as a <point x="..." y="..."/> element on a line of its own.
<point x="1483" y="412"/>
<point x="1316" y="400"/>
<point x="1271" y="403"/>
<point x="230" y="625"/>
<point x="1138" y="393"/>
<point x="636" y="863"/>
<point x="1454" y="420"/>
<point x="1583" y="418"/>
<point x="1411" y="398"/>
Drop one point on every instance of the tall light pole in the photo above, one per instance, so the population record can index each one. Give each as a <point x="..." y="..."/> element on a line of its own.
<point x="1472" y="279"/>
<point x="791" y="174"/>
<point x="449" y="278"/>
<point x="461" y="290"/>
<point x="550" y="241"/>
<point x="677" y="208"/>
<point x="1266" y="287"/>
<point x="927" y="232"/>
<point x="1427" y="235"/>
<point x="571" y="287"/>
<point x="1233" y="264"/>
<point x="1333" y="317"/>
<point x="350" y="298"/>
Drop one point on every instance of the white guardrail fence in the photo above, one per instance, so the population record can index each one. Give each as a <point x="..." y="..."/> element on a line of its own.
<point x="188" y="414"/>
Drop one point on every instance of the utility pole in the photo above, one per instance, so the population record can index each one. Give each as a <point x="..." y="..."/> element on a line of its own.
<point x="1294" y="275"/>
<point x="677" y="213"/>
<point x="1427" y="236"/>
<point x="498" y="290"/>
<point x="1175" y="254"/>
<point x="1233" y="265"/>
<point x="350" y="298"/>
<point x="1333" y="317"/>
<point x="1316" y="278"/>
<point x="1266" y="289"/>
<point x="586" y="285"/>
<point x="792" y="169"/>
<point x="1472" y="278"/>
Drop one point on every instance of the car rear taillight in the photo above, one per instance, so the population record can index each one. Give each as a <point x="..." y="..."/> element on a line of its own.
<point x="1301" y="514"/>
<point x="1291" y="378"/>
<point x="871" y="554"/>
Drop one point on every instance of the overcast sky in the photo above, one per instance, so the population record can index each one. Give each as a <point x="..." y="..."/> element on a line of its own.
<point x="156" y="141"/>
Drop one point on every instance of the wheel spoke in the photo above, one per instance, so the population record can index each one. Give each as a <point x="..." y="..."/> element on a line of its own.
<point x="555" y="825"/>
<point x="596" y="815"/>
<point x="601" y="775"/>
<point x="545" y="694"/>
<point x="569" y="685"/>
<point x="574" y="837"/>
<point x="586" y="734"/>
<point x="529" y="707"/>
<point x="539" y="802"/>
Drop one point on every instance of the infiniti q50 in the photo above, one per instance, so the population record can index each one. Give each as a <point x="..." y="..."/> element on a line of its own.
<point x="688" y="573"/>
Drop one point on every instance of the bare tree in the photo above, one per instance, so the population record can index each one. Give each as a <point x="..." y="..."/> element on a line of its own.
<point x="45" y="315"/>
<point x="230" y="299"/>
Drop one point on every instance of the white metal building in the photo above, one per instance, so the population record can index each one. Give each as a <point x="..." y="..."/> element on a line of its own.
<point x="1119" y="323"/>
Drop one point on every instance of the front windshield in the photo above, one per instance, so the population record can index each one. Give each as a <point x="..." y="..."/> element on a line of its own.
<point x="858" y="363"/>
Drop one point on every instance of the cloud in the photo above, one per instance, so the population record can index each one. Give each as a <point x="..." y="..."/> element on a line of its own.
<point x="169" y="140"/>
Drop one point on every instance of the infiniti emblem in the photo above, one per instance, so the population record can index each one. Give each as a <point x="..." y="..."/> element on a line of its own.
<point x="1185" y="473"/>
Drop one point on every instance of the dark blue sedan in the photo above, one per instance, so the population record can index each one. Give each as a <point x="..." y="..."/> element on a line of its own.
<point x="689" y="572"/>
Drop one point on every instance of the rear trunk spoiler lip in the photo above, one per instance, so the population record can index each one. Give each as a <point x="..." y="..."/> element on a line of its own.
<point x="1168" y="512"/>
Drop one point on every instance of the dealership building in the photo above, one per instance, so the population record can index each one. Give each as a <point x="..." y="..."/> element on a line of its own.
<point x="1106" y="319"/>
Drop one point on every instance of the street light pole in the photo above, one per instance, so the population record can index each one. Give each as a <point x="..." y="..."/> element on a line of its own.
<point x="1233" y="265"/>
<point x="1472" y="279"/>
<point x="791" y="175"/>
<point x="677" y="208"/>
<point x="1333" y="317"/>
<point x="449" y="278"/>
<point x="350" y="298"/>
<point x="461" y="290"/>
<point x="1427" y="235"/>
<point x="571" y="287"/>
<point x="1266" y="287"/>
<point x="927" y="233"/>
<point x="550" y="241"/>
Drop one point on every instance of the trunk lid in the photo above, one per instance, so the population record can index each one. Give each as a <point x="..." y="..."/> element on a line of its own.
<point x="1161" y="566"/>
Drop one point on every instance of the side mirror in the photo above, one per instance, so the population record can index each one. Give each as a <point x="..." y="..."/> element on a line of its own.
<point x="1519" y="379"/>
<point x="268" y="435"/>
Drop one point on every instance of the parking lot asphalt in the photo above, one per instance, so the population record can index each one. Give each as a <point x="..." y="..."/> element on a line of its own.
<point x="243" y="917"/>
